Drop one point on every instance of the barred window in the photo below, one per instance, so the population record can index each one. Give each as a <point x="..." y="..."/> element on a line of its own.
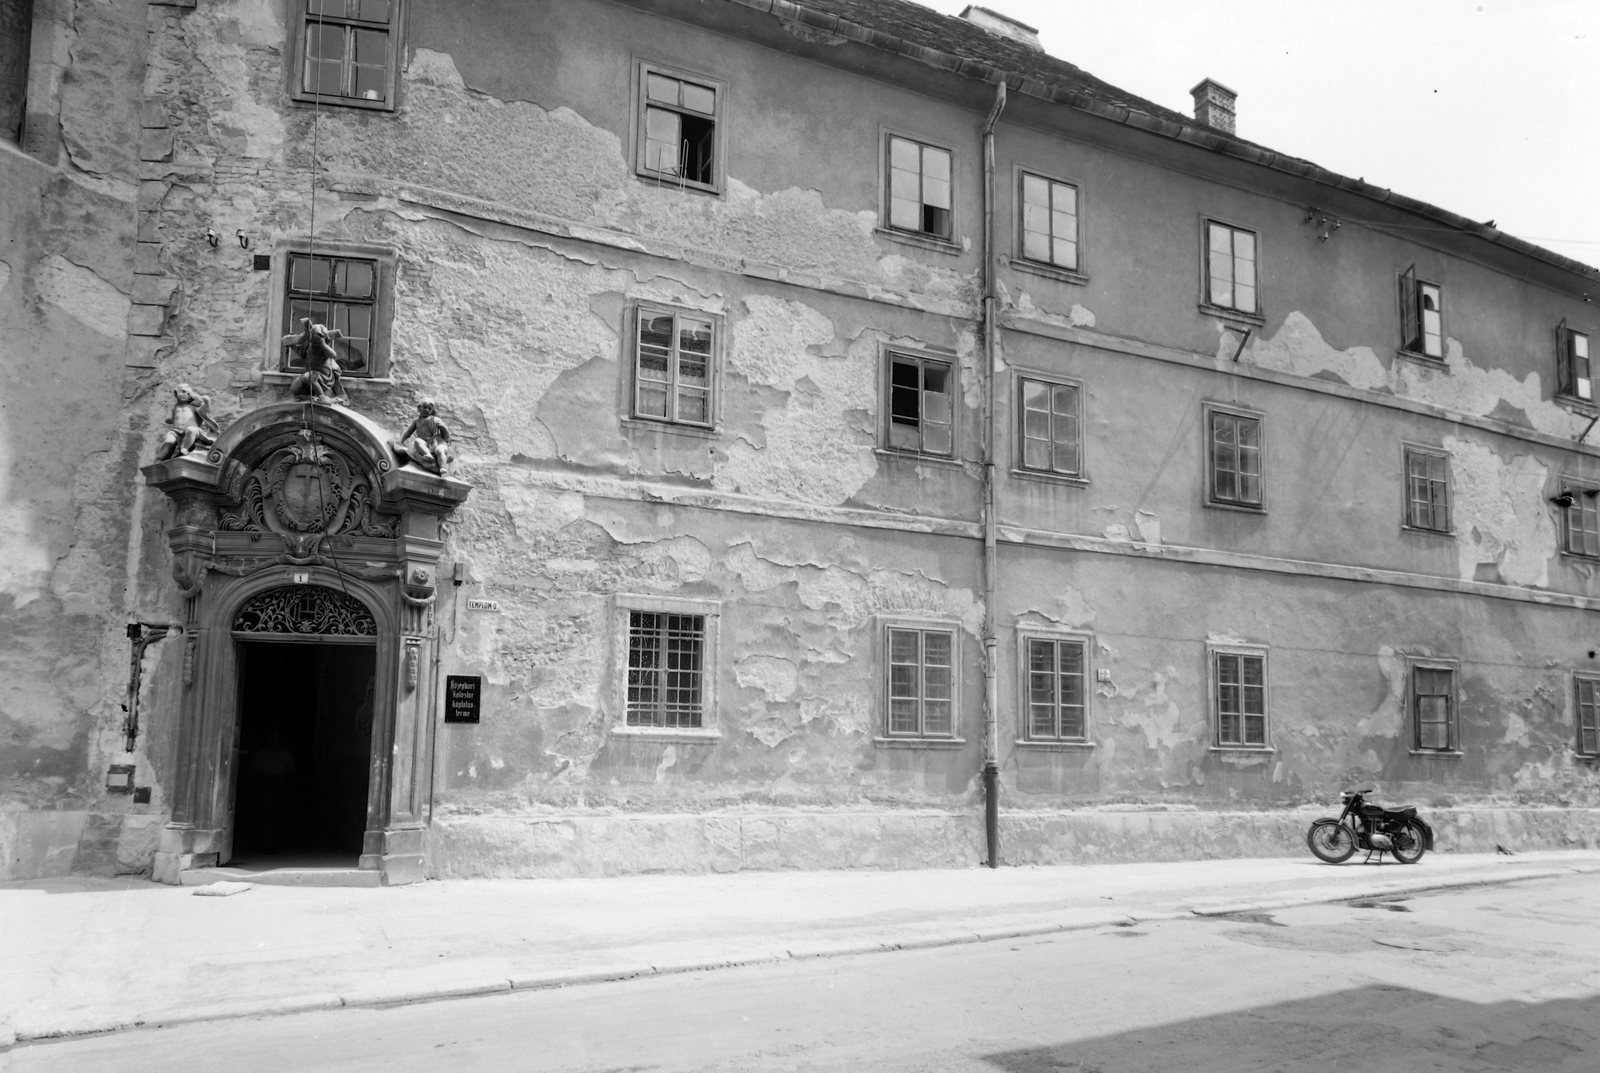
<point x="666" y="655"/>
<point x="1427" y="490"/>
<point x="921" y="683"/>
<point x="1049" y="222"/>
<point x="919" y="188"/>
<point x="1231" y="268"/>
<point x="1241" y="698"/>
<point x="672" y="366"/>
<point x="1050" y="428"/>
<point x="1235" y="459"/>
<point x="1433" y="708"/>
<point x="347" y="51"/>
<point x="340" y="293"/>
<point x="1056" y="704"/>
<point x="1588" y="716"/>
<point x="1582" y="520"/>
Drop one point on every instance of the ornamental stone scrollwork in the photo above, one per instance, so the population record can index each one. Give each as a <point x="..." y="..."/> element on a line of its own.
<point x="304" y="492"/>
<point x="306" y="609"/>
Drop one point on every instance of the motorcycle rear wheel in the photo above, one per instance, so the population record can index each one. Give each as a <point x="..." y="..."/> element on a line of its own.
<point x="1408" y="843"/>
<point x="1331" y="841"/>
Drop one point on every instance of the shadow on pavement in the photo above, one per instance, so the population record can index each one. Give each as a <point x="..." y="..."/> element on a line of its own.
<point x="1372" y="1029"/>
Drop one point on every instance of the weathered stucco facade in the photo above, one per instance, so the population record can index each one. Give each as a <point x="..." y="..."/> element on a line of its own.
<point x="501" y="193"/>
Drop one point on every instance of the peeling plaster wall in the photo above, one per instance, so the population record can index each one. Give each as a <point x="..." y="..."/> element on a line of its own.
<point x="504" y="184"/>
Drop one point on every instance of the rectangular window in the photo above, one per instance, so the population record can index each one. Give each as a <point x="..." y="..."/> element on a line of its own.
<point x="921" y="683"/>
<point x="340" y="293"/>
<point x="1572" y="356"/>
<point x="347" y="51"/>
<point x="1582" y="519"/>
<point x="1050" y="427"/>
<point x="1421" y="315"/>
<point x="1235" y="459"/>
<point x="921" y="405"/>
<point x="1230" y="268"/>
<point x="673" y="365"/>
<point x="1241" y="682"/>
<point x="1433" y="708"/>
<point x="678" y="131"/>
<point x="1588" y="716"/>
<point x="919" y="187"/>
<point x="1049" y="222"/>
<point x="1057" y="710"/>
<point x="1427" y="490"/>
<point x="666" y="655"/>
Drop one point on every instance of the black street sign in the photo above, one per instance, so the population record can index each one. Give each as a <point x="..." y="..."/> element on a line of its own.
<point x="463" y="698"/>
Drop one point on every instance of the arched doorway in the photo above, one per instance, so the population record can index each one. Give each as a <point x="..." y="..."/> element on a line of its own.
<point x="306" y="558"/>
<point x="304" y="741"/>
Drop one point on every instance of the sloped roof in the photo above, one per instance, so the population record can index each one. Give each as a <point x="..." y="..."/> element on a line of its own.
<point x="964" y="48"/>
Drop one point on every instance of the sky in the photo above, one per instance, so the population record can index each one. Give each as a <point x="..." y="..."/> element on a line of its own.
<point x="1488" y="109"/>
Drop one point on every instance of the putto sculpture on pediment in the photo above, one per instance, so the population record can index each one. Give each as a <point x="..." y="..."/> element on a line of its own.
<point x="190" y="425"/>
<point x="426" y="441"/>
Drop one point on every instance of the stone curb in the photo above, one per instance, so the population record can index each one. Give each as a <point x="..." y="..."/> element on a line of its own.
<point x="370" y="998"/>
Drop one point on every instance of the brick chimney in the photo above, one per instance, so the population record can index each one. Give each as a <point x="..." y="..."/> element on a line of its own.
<point x="1213" y="105"/>
<point x="1003" y="25"/>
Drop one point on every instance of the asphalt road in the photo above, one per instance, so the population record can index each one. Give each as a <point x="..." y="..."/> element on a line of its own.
<point x="1496" y="978"/>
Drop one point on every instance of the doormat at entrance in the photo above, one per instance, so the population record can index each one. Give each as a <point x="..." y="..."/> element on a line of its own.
<point x="221" y="890"/>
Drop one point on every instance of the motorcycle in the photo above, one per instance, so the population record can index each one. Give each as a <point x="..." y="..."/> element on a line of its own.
<point x="1376" y="829"/>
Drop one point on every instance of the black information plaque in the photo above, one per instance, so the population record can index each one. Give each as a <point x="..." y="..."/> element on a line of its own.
<point x="463" y="697"/>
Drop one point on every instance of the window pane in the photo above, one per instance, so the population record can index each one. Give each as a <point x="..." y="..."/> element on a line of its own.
<point x="663" y="146"/>
<point x="1035" y="193"/>
<point x="904" y="155"/>
<point x="375" y="10"/>
<point x="700" y="98"/>
<point x="372" y="47"/>
<point x="936" y="165"/>
<point x="309" y="274"/>
<point x="1244" y="246"/>
<point x="1219" y="240"/>
<point x="661" y="88"/>
<point x="906" y="186"/>
<point x="936" y="649"/>
<point x="335" y="8"/>
<point x="694" y="406"/>
<point x="903" y="646"/>
<point x="325" y="41"/>
<point x="936" y="192"/>
<point x="1036" y="246"/>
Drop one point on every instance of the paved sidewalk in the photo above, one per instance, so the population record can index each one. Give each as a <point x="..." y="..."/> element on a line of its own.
<point x="89" y="955"/>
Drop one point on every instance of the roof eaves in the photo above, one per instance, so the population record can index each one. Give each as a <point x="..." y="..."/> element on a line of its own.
<point x="1190" y="133"/>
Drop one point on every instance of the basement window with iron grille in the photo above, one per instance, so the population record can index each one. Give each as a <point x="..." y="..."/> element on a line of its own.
<point x="666" y="670"/>
<point x="678" y="117"/>
<point x="347" y="51"/>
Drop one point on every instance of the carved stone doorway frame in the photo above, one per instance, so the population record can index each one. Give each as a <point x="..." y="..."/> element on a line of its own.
<point x="303" y="494"/>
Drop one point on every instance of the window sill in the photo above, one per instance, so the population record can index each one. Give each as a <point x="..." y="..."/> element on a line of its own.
<point x="1049" y="478"/>
<point x="674" y="428"/>
<point x="667" y="734"/>
<point x="919" y="743"/>
<point x="667" y="182"/>
<point x="920" y="459"/>
<point x="1585" y="758"/>
<point x="1233" y="314"/>
<point x="1586" y="407"/>
<point x="1242" y="508"/>
<point x="1242" y="750"/>
<point x="359" y="383"/>
<point x="927" y="242"/>
<point x="1422" y="359"/>
<point x="1439" y="754"/>
<point x="1054" y="746"/>
<point x="307" y="100"/>
<point x="1448" y="534"/>
<point x="1056" y="272"/>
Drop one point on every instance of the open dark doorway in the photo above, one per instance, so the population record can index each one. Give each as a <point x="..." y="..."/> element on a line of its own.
<point x="305" y="752"/>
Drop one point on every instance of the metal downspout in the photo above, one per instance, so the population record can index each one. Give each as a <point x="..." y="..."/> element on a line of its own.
<point x="991" y="562"/>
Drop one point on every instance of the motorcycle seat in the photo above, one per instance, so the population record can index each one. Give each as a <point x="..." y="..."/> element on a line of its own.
<point x="1407" y="813"/>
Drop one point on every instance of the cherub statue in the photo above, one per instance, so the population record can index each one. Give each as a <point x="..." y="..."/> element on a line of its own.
<point x="426" y="441"/>
<point x="189" y="424"/>
<point x="321" y="381"/>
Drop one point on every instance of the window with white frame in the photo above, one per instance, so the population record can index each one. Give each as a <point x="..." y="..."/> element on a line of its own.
<point x="1049" y="222"/>
<point x="1427" y="489"/>
<point x="921" y="410"/>
<point x="1580" y="517"/>
<point x="1057" y="688"/>
<point x="921" y="685"/>
<point x="666" y="670"/>
<point x="1588" y="705"/>
<point x="1421" y="316"/>
<point x="1572" y="358"/>
<point x="1239" y="696"/>
<point x="1433" y="708"/>
<point x="674" y="352"/>
<point x="919" y="187"/>
<point x="347" y="51"/>
<point x="1233" y="458"/>
<point x="679" y="114"/>
<point x="1050" y="426"/>
<point x="1231" y="268"/>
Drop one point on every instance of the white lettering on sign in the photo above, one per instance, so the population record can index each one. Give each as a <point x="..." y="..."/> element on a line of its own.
<point x="474" y="604"/>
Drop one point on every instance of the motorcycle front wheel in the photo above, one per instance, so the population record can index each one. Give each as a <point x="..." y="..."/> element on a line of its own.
<point x="1408" y="843"/>
<point x="1331" y="841"/>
